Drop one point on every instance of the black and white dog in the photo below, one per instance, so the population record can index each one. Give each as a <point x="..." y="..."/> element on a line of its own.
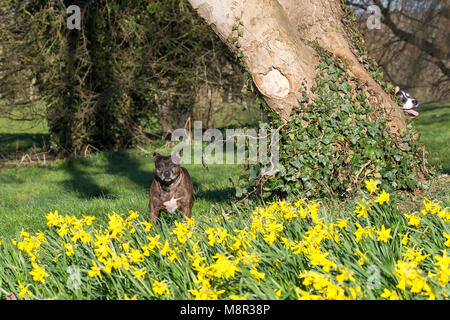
<point x="407" y="102"/>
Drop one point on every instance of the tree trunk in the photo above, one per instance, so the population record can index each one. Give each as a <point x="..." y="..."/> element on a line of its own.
<point x="164" y="103"/>
<point x="273" y="47"/>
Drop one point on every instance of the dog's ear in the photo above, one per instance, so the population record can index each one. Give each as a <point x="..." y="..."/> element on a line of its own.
<point x="397" y="89"/>
<point x="156" y="156"/>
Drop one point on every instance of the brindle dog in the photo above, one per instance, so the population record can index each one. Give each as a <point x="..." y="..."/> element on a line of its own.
<point x="171" y="189"/>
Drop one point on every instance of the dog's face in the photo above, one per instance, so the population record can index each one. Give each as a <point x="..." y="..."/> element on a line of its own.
<point x="408" y="103"/>
<point x="166" y="170"/>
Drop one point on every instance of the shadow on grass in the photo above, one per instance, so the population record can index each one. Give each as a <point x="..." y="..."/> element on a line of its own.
<point x="123" y="164"/>
<point x="12" y="142"/>
<point x="216" y="195"/>
<point x="430" y="106"/>
<point x="81" y="182"/>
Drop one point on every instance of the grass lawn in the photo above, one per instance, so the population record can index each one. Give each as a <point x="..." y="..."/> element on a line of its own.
<point x="106" y="182"/>
<point x="433" y="123"/>
<point x="95" y="186"/>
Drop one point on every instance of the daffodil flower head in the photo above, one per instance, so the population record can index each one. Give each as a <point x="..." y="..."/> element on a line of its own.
<point x="371" y="185"/>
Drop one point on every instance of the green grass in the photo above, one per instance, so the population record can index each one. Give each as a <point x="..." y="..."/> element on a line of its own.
<point x="433" y="123"/>
<point x="95" y="186"/>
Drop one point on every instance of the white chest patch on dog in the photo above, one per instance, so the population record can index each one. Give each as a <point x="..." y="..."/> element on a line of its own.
<point x="171" y="205"/>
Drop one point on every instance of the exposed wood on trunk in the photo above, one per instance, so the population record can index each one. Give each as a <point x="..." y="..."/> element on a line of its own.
<point x="274" y="55"/>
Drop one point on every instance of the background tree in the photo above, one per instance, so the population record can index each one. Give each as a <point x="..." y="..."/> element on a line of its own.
<point x="133" y="66"/>
<point x="18" y="96"/>
<point x="412" y="45"/>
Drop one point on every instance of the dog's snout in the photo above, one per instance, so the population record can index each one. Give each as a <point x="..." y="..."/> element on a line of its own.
<point x="415" y="102"/>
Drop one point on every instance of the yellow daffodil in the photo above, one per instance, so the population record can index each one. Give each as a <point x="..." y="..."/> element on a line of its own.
<point x="413" y="220"/>
<point x="363" y="208"/>
<point x="361" y="232"/>
<point x="53" y="219"/>
<point x="69" y="249"/>
<point x="371" y="185"/>
<point x="24" y="234"/>
<point x="205" y="293"/>
<point x="147" y="225"/>
<point x="345" y="275"/>
<point x="384" y="234"/>
<point x="160" y="287"/>
<point x="278" y="293"/>
<point x="382" y="198"/>
<point x="362" y="256"/>
<point x="443" y="270"/>
<point x="414" y="255"/>
<point x="405" y="239"/>
<point x="133" y="215"/>
<point x="224" y="267"/>
<point x="139" y="274"/>
<point x="38" y="273"/>
<point x="23" y="290"/>
<point x="257" y="275"/>
<point x="342" y="223"/>
<point x="219" y="254"/>
<point x="95" y="270"/>
<point x="447" y="236"/>
<point x="391" y="295"/>
<point x="305" y="295"/>
<point x="165" y="248"/>
<point x="135" y="256"/>
<point x="88" y="220"/>
<point x="63" y="230"/>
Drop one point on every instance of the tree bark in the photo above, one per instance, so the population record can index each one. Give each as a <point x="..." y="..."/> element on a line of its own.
<point x="275" y="51"/>
<point x="164" y="103"/>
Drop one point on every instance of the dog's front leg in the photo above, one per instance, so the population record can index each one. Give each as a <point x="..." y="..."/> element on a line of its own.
<point x="153" y="212"/>
<point x="187" y="211"/>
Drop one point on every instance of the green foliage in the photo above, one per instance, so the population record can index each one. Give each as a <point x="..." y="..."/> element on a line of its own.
<point x="337" y="138"/>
